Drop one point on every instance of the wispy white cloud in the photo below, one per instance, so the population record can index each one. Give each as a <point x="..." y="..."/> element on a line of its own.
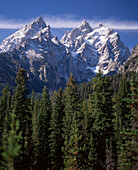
<point x="116" y="23"/>
<point x="6" y="23"/>
<point x="69" y="21"/>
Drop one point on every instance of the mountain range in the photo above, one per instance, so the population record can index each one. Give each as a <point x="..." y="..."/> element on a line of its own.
<point x="50" y="61"/>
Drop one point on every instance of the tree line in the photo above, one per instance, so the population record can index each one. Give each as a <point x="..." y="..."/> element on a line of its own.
<point x="88" y="126"/>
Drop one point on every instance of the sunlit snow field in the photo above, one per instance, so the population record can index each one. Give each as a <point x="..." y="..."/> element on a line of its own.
<point x="129" y="37"/>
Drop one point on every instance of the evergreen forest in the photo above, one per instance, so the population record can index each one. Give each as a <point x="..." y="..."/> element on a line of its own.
<point x="93" y="125"/>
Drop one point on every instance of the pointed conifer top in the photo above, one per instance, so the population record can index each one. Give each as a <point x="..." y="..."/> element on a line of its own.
<point x="71" y="81"/>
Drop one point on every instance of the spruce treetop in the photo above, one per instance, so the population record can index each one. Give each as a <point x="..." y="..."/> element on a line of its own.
<point x="71" y="81"/>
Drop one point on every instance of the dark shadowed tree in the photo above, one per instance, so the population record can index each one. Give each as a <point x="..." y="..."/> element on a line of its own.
<point x="43" y="130"/>
<point x="56" y="132"/>
<point x="21" y="107"/>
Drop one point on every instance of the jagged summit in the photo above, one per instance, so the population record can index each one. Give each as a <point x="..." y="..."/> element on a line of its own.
<point x="39" y="23"/>
<point x="100" y="47"/>
<point x="48" y="61"/>
<point x="84" y="24"/>
<point x="79" y="32"/>
<point x="85" y="27"/>
<point x="29" y="31"/>
<point x="101" y="25"/>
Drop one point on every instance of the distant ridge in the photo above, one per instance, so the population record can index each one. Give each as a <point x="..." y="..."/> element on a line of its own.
<point x="49" y="61"/>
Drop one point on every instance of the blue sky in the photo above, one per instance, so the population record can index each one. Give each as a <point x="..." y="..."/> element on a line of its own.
<point x="122" y="14"/>
<point x="24" y="9"/>
<point x="117" y="14"/>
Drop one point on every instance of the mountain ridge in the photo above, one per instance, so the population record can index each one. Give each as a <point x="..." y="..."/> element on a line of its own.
<point x="50" y="61"/>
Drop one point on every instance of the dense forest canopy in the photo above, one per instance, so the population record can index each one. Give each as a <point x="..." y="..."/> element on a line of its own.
<point x="87" y="126"/>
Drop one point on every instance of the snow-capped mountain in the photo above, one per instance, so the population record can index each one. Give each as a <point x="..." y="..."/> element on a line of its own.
<point x="49" y="61"/>
<point x="100" y="47"/>
<point x="20" y="36"/>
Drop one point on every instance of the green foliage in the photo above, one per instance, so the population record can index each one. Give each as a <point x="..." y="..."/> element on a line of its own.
<point x="21" y="107"/>
<point x="35" y="105"/>
<point x="101" y="106"/>
<point x="56" y="125"/>
<point x="122" y="114"/>
<point x="43" y="130"/>
<point x="73" y="146"/>
<point x="72" y="126"/>
<point x="101" y="111"/>
<point x="10" y="146"/>
<point x="128" y="154"/>
<point x="5" y="104"/>
<point x="84" y="89"/>
<point x="88" y="126"/>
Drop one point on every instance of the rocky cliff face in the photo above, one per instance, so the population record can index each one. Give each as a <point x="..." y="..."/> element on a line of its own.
<point x="49" y="61"/>
<point x="98" y="48"/>
<point x="132" y="62"/>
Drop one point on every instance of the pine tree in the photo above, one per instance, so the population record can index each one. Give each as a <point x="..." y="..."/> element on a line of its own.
<point x="21" y="107"/>
<point x="11" y="147"/>
<point x="122" y="102"/>
<point x="35" y="125"/>
<point x="85" y="133"/>
<point x="73" y="146"/>
<point x="128" y="154"/>
<point x="43" y="130"/>
<point x="92" y="153"/>
<point x="32" y="101"/>
<point x="89" y="151"/>
<point x="100" y="108"/>
<point x="72" y="126"/>
<point x="122" y="113"/>
<point x="134" y="124"/>
<point x="71" y="100"/>
<point x="5" y="105"/>
<point x="56" y="124"/>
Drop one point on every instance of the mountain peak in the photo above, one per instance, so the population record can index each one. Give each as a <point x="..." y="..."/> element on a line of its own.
<point x="39" y="22"/>
<point x="84" y="22"/>
<point x="82" y="51"/>
<point x="39" y="19"/>
<point x="22" y="34"/>
<point x="100" y="25"/>
<point x="85" y="27"/>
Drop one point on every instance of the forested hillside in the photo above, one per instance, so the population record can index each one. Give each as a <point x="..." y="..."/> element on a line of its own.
<point x="87" y="126"/>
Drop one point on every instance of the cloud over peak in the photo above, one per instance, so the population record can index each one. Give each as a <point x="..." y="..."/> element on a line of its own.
<point x="69" y="21"/>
